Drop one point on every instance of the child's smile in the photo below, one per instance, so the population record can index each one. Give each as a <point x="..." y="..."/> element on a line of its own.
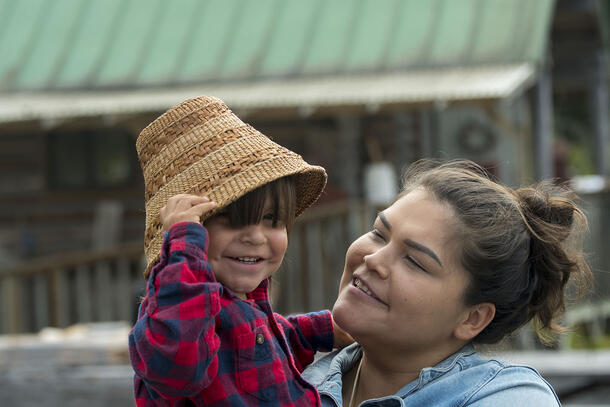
<point x="247" y="260"/>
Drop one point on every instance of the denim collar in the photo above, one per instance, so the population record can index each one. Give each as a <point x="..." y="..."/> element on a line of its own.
<point x="429" y="374"/>
<point x="331" y="384"/>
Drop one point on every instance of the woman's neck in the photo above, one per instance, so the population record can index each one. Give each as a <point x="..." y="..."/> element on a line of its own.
<point x="383" y="373"/>
<point x="375" y="381"/>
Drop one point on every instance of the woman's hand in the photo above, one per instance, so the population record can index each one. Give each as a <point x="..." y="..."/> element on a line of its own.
<point x="184" y="208"/>
<point x="342" y="338"/>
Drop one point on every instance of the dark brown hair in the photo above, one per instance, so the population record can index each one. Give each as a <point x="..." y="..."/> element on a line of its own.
<point x="520" y="247"/>
<point x="248" y="209"/>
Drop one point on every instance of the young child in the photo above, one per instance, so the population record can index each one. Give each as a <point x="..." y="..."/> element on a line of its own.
<point x="206" y="334"/>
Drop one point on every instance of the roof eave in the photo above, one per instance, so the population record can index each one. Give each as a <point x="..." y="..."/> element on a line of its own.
<point x="303" y="95"/>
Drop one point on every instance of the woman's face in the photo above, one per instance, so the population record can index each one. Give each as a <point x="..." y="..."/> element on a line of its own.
<point x="402" y="284"/>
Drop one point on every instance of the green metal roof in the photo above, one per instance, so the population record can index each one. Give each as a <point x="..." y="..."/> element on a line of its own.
<point x="62" y="45"/>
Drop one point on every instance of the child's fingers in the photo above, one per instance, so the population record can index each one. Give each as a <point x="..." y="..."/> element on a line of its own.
<point x="195" y="200"/>
<point x="184" y="208"/>
<point x="185" y="200"/>
<point x="202" y="208"/>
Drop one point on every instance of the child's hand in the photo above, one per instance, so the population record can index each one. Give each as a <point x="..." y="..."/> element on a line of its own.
<point x="184" y="208"/>
<point x="342" y="338"/>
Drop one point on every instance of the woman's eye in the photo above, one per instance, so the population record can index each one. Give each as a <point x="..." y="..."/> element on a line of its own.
<point x="269" y="216"/>
<point x="377" y="234"/>
<point x="415" y="263"/>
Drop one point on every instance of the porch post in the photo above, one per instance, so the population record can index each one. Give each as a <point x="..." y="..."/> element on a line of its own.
<point x="543" y="137"/>
<point x="349" y="155"/>
<point x="599" y="91"/>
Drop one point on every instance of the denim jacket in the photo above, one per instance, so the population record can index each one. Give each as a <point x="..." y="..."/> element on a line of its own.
<point x="463" y="379"/>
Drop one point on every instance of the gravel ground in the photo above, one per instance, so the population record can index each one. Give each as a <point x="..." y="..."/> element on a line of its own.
<point x="88" y="365"/>
<point x="84" y="365"/>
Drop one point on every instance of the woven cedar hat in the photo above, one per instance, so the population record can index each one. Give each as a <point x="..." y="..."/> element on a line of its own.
<point x="202" y="147"/>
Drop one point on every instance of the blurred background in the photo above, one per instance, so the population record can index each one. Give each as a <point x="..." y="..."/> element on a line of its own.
<point x="361" y="87"/>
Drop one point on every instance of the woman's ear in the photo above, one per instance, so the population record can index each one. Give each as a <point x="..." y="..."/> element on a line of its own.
<point x="475" y="320"/>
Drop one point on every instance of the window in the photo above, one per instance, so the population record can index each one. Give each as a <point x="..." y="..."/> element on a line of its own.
<point x="91" y="159"/>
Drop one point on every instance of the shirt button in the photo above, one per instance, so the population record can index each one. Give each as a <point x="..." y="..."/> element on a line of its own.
<point x="260" y="338"/>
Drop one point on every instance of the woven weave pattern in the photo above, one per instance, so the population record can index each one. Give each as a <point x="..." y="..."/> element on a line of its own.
<point x="168" y="169"/>
<point x="179" y="120"/>
<point x="202" y="138"/>
<point x="201" y="147"/>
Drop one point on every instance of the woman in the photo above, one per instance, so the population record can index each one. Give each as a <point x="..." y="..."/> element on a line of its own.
<point x="456" y="260"/>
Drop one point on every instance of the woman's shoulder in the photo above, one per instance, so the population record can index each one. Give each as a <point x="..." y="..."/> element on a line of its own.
<point x="469" y="379"/>
<point x="505" y="383"/>
<point x="505" y="369"/>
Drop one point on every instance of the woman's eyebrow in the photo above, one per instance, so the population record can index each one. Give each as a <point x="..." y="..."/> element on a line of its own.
<point x="384" y="220"/>
<point x="409" y="242"/>
<point x="422" y="248"/>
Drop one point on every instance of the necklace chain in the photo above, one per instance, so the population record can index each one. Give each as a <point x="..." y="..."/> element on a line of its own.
<point x="355" y="386"/>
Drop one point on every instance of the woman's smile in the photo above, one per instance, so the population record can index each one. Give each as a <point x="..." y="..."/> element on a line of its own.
<point x="361" y="286"/>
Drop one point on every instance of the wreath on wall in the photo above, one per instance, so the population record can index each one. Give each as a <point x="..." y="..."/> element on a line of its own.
<point x="476" y="138"/>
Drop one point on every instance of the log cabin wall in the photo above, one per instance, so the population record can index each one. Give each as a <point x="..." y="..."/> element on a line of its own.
<point x="52" y="202"/>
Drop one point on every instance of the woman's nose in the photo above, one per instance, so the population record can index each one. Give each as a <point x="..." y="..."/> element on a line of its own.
<point x="377" y="262"/>
<point x="253" y="234"/>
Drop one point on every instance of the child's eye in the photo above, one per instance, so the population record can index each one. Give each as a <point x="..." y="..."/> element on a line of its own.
<point x="221" y="218"/>
<point x="269" y="216"/>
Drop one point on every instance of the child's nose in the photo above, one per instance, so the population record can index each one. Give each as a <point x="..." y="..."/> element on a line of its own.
<point x="253" y="234"/>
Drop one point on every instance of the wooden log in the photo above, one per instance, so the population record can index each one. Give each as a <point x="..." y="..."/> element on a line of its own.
<point x="103" y="295"/>
<point x="334" y="245"/>
<point x="61" y="297"/>
<point x="357" y="222"/>
<point x="292" y="291"/>
<point x="41" y="301"/>
<point x="315" y="268"/>
<point x="132" y="250"/>
<point x="10" y="304"/>
<point x="124" y="300"/>
<point x="84" y="309"/>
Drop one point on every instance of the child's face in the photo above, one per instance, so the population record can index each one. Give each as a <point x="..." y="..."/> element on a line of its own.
<point x="242" y="257"/>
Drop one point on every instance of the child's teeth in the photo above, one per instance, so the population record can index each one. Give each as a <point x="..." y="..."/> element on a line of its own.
<point x="247" y="259"/>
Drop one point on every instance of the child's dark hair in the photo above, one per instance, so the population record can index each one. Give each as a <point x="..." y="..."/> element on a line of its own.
<point x="520" y="247"/>
<point x="248" y="209"/>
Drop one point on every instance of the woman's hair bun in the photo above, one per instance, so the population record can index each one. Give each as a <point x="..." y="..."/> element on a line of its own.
<point x="548" y="211"/>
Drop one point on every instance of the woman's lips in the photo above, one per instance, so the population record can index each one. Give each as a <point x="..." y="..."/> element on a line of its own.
<point x="362" y="286"/>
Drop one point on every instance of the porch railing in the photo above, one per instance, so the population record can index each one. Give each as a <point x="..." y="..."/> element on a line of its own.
<point x="66" y="289"/>
<point x="106" y="285"/>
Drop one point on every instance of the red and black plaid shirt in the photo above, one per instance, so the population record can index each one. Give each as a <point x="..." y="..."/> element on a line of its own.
<point x="196" y="343"/>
